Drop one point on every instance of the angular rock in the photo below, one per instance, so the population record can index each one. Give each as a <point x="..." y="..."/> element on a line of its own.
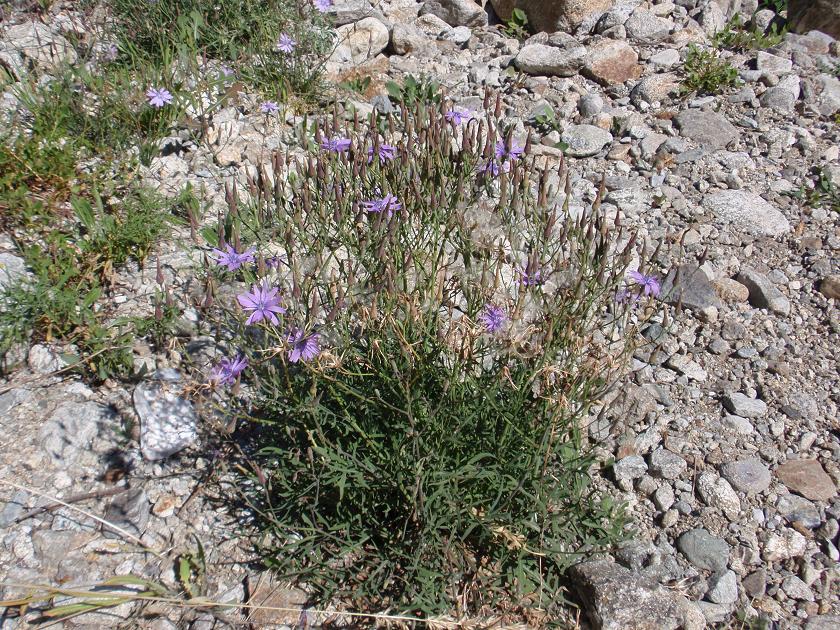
<point x="708" y="129"/>
<point x="34" y="43"/>
<point x="796" y="509"/>
<point x="689" y="285"/>
<point x="807" y="477"/>
<point x="795" y="588"/>
<point x="12" y="269"/>
<point x="561" y="15"/>
<point x="545" y="60"/>
<point x="128" y="510"/>
<point x="646" y="28"/>
<point x="747" y="475"/>
<point x="830" y="287"/>
<point x="406" y="38"/>
<point x="703" y="550"/>
<point x="683" y="364"/>
<point x="611" y="62"/>
<point x="348" y="11"/>
<point x="723" y="588"/>
<point x="747" y="212"/>
<point x="716" y="492"/>
<point x="762" y="292"/>
<point x="655" y="88"/>
<point x="72" y="428"/>
<point x="271" y="593"/>
<point x="360" y="41"/>
<point x="167" y="421"/>
<point x="585" y="140"/>
<point x="815" y="15"/>
<point x="616" y="598"/>
<point x="630" y="467"/>
<point x="772" y="63"/>
<point x="744" y="406"/>
<point x="456" y="12"/>
<point x="663" y="463"/>
<point x="783" y="545"/>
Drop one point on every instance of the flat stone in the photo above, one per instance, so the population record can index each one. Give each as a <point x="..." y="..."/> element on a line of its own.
<point x="763" y="294"/>
<point x="616" y="598"/>
<point x="690" y="286"/>
<point x="561" y="15"/>
<point x="796" y="509"/>
<point x="755" y="584"/>
<point x="703" y="550"/>
<point x="348" y="11"/>
<point x="716" y="492"/>
<point x="544" y="60"/>
<point x="663" y="463"/>
<point x="270" y="593"/>
<point x="747" y="475"/>
<point x="128" y="510"/>
<point x="807" y="477"/>
<point x="167" y="421"/>
<point x="744" y="406"/>
<point x="795" y="588"/>
<point x="585" y="140"/>
<point x="611" y="62"/>
<point x="646" y="28"/>
<point x="823" y="622"/>
<point x="456" y="12"/>
<point x="778" y="98"/>
<point x="655" y="88"/>
<point x="630" y="467"/>
<point x="747" y="212"/>
<point x="406" y="38"/>
<point x="360" y="41"/>
<point x="683" y="364"/>
<point x="71" y="429"/>
<point x="723" y="588"/>
<point x="773" y="63"/>
<point x="708" y="129"/>
<point x="830" y="287"/>
<point x="12" y="269"/>
<point x="35" y="43"/>
<point x="784" y="545"/>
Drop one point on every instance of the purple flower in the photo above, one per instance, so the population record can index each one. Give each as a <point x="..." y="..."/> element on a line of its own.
<point x="158" y="97"/>
<point x="385" y="152"/>
<point x="269" y="107"/>
<point x="493" y="318"/>
<point x="459" y="115"/>
<point x="303" y="346"/>
<point x="285" y="44"/>
<point x="228" y="370"/>
<point x="112" y="53"/>
<point x="389" y="202"/>
<point x="323" y="5"/>
<point x="274" y="262"/>
<point x="493" y="167"/>
<point x="625" y="297"/>
<point x="231" y="258"/>
<point x="531" y="279"/>
<point x="263" y="302"/>
<point x="336" y="144"/>
<point x="226" y="71"/>
<point x="512" y="152"/>
<point x="649" y="284"/>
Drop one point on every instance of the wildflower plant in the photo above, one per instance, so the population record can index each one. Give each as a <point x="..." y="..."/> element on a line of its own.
<point x="418" y="396"/>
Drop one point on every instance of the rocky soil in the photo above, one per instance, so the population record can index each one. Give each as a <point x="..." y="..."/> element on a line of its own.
<point x="725" y="434"/>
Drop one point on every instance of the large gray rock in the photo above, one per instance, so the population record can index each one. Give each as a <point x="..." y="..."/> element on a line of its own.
<point x="541" y="59"/>
<point x="616" y="598"/>
<point x="815" y="15"/>
<point x="744" y="406"/>
<point x="360" y="41"/>
<point x="168" y="422"/>
<point x="71" y="430"/>
<point x="747" y="212"/>
<point x="12" y="269"/>
<point x="646" y="28"/>
<point x="708" y="129"/>
<point x="747" y="475"/>
<point x="763" y="293"/>
<point x="456" y="12"/>
<point x="703" y="550"/>
<point x="561" y="15"/>
<point x="610" y="62"/>
<point x="690" y="286"/>
<point x="34" y="43"/>
<point x="585" y="140"/>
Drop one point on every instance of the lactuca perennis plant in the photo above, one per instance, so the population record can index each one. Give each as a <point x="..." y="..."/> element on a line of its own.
<point x="424" y="329"/>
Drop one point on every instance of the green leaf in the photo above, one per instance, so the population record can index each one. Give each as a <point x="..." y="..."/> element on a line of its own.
<point x="211" y="235"/>
<point x="84" y="212"/>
